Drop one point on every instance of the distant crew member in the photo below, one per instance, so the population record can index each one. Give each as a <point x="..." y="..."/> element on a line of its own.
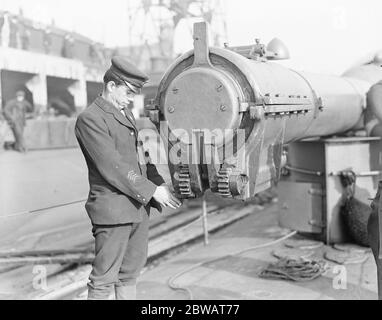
<point x="121" y="190"/>
<point x="15" y="112"/>
<point x="60" y="107"/>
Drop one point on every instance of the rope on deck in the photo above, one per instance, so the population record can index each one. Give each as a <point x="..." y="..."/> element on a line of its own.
<point x="171" y="282"/>
<point x="295" y="270"/>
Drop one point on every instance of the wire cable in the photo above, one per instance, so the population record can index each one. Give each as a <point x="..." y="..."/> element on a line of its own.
<point x="171" y="282"/>
<point x="41" y="210"/>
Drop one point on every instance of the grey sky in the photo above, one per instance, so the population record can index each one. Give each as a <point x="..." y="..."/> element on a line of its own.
<point x="322" y="35"/>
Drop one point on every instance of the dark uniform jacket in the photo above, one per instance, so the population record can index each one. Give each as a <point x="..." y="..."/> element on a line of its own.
<point x="15" y="112"/>
<point x="121" y="189"/>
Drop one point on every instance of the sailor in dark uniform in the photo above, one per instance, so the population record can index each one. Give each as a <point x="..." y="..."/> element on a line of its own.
<point x="121" y="190"/>
<point x="15" y="112"/>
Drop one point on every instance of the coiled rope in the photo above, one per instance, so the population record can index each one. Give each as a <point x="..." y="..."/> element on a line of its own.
<point x="171" y="282"/>
<point x="295" y="270"/>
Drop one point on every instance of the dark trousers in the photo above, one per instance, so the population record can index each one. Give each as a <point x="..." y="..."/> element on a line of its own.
<point x="120" y="255"/>
<point x="18" y="132"/>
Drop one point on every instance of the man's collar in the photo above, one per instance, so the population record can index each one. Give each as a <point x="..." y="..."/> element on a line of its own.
<point x="110" y="108"/>
<point x="106" y="105"/>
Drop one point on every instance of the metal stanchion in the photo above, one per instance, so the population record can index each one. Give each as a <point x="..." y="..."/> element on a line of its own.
<point x="205" y="222"/>
<point x="378" y="254"/>
<point x="375" y="235"/>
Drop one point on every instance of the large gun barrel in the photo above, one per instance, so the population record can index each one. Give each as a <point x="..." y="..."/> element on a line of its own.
<point x="230" y="110"/>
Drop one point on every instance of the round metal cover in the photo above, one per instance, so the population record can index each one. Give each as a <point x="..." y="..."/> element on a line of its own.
<point x="292" y="254"/>
<point x="343" y="257"/>
<point x="350" y="247"/>
<point x="303" y="244"/>
<point x="202" y="98"/>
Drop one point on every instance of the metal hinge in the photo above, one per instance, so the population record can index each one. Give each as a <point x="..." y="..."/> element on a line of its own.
<point x="304" y="171"/>
<point x="359" y="174"/>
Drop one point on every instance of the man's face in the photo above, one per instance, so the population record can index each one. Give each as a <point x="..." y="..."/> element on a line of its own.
<point x="121" y="95"/>
<point x="20" y="97"/>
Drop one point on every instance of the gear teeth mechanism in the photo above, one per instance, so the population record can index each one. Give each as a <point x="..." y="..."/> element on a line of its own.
<point x="185" y="181"/>
<point x="223" y="182"/>
<point x="231" y="183"/>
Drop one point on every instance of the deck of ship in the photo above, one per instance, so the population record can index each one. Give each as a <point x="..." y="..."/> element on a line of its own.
<point x="41" y="179"/>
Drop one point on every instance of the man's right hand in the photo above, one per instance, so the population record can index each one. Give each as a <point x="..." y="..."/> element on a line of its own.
<point x="163" y="195"/>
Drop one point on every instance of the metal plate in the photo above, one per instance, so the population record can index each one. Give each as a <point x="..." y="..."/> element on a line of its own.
<point x="202" y="98"/>
<point x="303" y="244"/>
<point x="301" y="206"/>
<point x="292" y="254"/>
<point x="342" y="257"/>
<point x="350" y="247"/>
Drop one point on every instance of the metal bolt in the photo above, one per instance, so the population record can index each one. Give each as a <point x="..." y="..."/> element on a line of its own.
<point x="171" y="109"/>
<point x="223" y="108"/>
